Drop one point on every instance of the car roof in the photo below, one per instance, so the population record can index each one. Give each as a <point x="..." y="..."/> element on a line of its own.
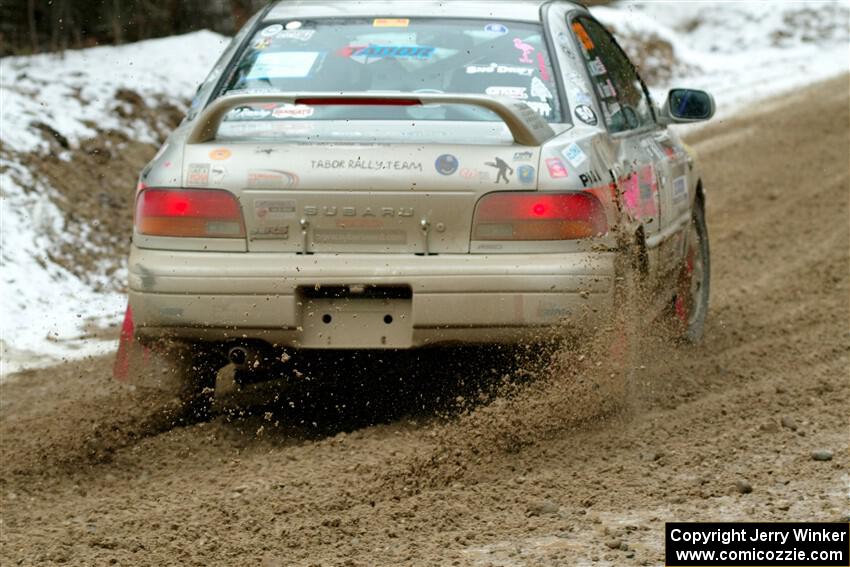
<point x="513" y="10"/>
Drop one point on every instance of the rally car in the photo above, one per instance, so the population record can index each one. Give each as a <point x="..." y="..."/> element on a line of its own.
<point x="398" y="175"/>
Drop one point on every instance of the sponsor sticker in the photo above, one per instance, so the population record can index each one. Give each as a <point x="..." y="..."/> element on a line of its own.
<point x="503" y="168"/>
<point x="539" y="90"/>
<point x="526" y="50"/>
<point x="596" y="67"/>
<point x="293" y="111"/>
<point x="499" y="70"/>
<point x="607" y="89"/>
<point x="198" y="175"/>
<point x="271" y="30"/>
<point x="468" y="173"/>
<point x="241" y="113"/>
<point x="263" y="43"/>
<point x="581" y="33"/>
<point x="390" y="22"/>
<point x="574" y="154"/>
<point x="369" y="164"/>
<point x="217" y="173"/>
<point x="220" y="154"/>
<point x="300" y="35"/>
<point x="271" y="179"/>
<point x="496" y="28"/>
<point x="446" y="164"/>
<point x="586" y="114"/>
<point x="283" y="65"/>
<point x="541" y="108"/>
<point x="520" y="93"/>
<point x="581" y="97"/>
<point x="388" y="51"/>
<point x="274" y="209"/>
<point x="590" y="177"/>
<point x="525" y="173"/>
<point x="556" y="167"/>
<point x="541" y="66"/>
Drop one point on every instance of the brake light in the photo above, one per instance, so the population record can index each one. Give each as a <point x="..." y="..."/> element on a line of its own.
<point x="206" y="213"/>
<point x="354" y="101"/>
<point x="535" y="216"/>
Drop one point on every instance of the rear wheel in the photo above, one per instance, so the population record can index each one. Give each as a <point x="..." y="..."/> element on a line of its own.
<point x="691" y="302"/>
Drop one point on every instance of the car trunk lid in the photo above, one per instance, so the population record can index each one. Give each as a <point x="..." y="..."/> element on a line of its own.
<point x="375" y="198"/>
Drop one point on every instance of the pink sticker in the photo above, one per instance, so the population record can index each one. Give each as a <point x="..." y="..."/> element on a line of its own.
<point x="557" y="169"/>
<point x="541" y="65"/>
<point x="631" y="194"/>
<point x="640" y="192"/>
<point x="526" y="50"/>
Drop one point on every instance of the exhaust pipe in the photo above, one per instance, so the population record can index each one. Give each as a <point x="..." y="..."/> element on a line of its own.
<point x="242" y="356"/>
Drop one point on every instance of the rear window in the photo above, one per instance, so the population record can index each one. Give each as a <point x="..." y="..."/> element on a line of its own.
<point x="394" y="55"/>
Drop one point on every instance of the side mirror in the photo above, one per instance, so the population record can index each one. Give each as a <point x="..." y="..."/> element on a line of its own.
<point x="687" y="105"/>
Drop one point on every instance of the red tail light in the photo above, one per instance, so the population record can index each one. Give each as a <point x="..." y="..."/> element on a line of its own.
<point x="203" y="213"/>
<point x="536" y="216"/>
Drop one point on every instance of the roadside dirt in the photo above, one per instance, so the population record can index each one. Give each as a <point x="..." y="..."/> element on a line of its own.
<point x="93" y="474"/>
<point x="94" y="188"/>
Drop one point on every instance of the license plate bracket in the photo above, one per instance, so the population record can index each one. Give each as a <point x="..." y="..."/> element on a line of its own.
<point x="356" y="322"/>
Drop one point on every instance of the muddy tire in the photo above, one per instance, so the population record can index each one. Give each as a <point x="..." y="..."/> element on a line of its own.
<point x="690" y="306"/>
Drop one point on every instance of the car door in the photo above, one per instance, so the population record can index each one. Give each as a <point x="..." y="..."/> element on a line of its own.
<point x="631" y="149"/>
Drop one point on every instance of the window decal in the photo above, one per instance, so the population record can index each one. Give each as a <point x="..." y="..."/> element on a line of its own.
<point x="283" y="64"/>
<point x="581" y="33"/>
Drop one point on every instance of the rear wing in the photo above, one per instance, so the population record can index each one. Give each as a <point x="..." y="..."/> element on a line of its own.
<point x="526" y="125"/>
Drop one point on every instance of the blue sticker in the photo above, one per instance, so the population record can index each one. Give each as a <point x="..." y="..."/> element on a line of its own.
<point x="446" y="164"/>
<point x="392" y="51"/>
<point x="496" y="28"/>
<point x="526" y="174"/>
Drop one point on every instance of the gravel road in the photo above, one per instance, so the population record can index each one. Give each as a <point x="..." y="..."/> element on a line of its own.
<point x="750" y="425"/>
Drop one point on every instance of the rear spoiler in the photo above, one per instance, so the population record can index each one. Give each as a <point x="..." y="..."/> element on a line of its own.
<point x="526" y="125"/>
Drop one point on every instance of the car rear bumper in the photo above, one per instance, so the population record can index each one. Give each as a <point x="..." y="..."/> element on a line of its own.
<point x="278" y="298"/>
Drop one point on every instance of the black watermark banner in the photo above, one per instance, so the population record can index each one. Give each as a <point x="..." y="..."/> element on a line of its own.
<point x="744" y="544"/>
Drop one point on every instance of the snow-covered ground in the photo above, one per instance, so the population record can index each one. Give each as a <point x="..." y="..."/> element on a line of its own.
<point x="740" y="51"/>
<point x="46" y="313"/>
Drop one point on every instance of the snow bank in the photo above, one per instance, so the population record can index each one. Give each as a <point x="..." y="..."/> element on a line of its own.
<point x="739" y="51"/>
<point x="74" y="93"/>
<point x="46" y="313"/>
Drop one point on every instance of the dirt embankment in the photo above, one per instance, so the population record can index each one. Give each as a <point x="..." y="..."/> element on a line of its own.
<point x="94" y="187"/>
<point x="91" y="476"/>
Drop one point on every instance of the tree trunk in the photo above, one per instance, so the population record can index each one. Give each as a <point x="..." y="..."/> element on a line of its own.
<point x="117" y="32"/>
<point x="31" y="22"/>
<point x="241" y="11"/>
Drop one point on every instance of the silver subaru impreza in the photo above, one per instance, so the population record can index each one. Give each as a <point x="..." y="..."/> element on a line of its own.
<point x="395" y="175"/>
